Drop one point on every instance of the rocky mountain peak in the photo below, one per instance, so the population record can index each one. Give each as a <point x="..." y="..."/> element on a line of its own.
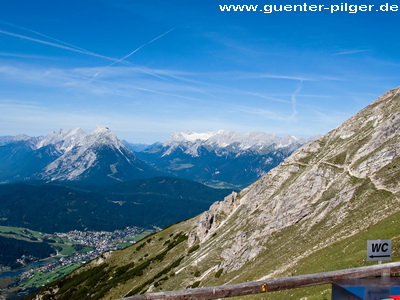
<point x="104" y="135"/>
<point x="102" y="128"/>
<point x="32" y="141"/>
<point x="81" y="152"/>
<point x="63" y="139"/>
<point x="190" y="136"/>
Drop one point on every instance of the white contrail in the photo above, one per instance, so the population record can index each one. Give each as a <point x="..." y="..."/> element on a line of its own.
<point x="130" y="54"/>
<point x="126" y="56"/>
<point x="294" y="99"/>
<point x="70" y="47"/>
<point x="74" y="49"/>
<point x="351" y="52"/>
<point x="43" y="35"/>
<point x="79" y="49"/>
<point x="140" y="47"/>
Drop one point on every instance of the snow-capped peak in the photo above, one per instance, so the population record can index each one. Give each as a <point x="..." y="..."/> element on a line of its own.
<point x="190" y="136"/>
<point x="80" y="151"/>
<point x="63" y="139"/>
<point x="22" y="137"/>
<point x="101" y="129"/>
<point x="4" y="140"/>
<point x="190" y="141"/>
<point x="194" y="136"/>
<point x="103" y="135"/>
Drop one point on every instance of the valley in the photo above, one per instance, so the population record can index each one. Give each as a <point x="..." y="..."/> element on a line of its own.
<point x="72" y="249"/>
<point x="159" y="201"/>
<point x="77" y="223"/>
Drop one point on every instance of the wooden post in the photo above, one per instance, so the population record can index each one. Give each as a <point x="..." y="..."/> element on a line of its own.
<point x="256" y="287"/>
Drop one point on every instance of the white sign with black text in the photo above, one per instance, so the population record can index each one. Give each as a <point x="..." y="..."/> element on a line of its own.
<point x="379" y="250"/>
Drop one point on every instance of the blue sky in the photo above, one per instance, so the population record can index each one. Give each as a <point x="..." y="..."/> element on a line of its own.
<point x="149" y="68"/>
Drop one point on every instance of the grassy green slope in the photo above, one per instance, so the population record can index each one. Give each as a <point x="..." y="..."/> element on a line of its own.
<point x="348" y="253"/>
<point x="128" y="271"/>
<point x="164" y="261"/>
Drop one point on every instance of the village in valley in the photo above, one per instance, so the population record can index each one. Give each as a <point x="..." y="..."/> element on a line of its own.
<point x="74" y="248"/>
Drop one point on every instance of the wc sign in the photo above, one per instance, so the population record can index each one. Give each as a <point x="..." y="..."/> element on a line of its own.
<point x="379" y="250"/>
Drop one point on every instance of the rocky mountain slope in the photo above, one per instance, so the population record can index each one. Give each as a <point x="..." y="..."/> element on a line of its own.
<point x="312" y="213"/>
<point x="70" y="155"/>
<point x="221" y="158"/>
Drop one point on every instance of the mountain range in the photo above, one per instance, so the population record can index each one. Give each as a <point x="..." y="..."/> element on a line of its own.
<point x="312" y="213"/>
<point x="70" y="180"/>
<point x="76" y="179"/>
<point x="221" y="158"/>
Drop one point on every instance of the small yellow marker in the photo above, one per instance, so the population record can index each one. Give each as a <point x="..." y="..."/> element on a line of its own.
<point x="264" y="288"/>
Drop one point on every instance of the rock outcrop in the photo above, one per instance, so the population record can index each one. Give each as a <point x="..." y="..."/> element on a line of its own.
<point x="319" y="179"/>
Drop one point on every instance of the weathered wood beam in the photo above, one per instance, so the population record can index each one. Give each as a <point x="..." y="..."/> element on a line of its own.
<point x="256" y="287"/>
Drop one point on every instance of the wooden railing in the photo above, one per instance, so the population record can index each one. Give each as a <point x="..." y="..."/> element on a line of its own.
<point x="256" y="287"/>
